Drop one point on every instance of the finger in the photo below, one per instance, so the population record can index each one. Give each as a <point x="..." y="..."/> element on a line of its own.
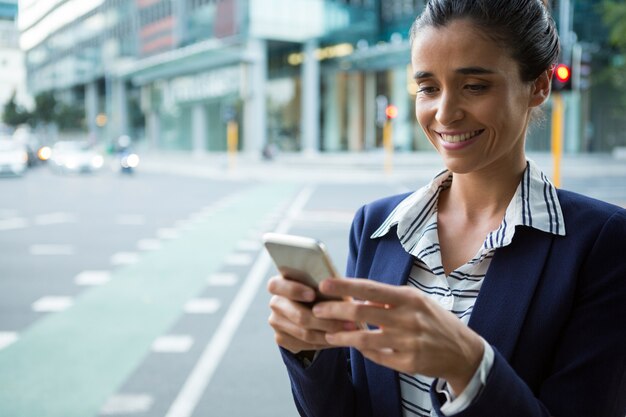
<point x="372" y="291"/>
<point x="310" y="338"/>
<point x="279" y="285"/>
<point x="295" y="345"/>
<point x="373" y="314"/>
<point x="360" y="339"/>
<point x="302" y="316"/>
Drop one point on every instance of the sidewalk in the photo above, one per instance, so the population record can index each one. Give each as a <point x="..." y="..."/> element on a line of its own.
<point x="349" y="167"/>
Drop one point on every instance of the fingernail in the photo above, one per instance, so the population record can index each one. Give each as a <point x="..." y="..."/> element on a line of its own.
<point x="327" y="285"/>
<point x="308" y="295"/>
<point x="317" y="310"/>
<point x="330" y="338"/>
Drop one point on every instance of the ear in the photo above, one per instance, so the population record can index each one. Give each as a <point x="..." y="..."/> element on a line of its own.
<point x="540" y="90"/>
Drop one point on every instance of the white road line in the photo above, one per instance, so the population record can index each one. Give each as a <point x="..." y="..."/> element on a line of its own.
<point x="6" y="338"/>
<point x="127" y="404"/>
<point x="55" y="218"/>
<point x="168" y="233"/>
<point x="222" y="279"/>
<point x="92" y="278"/>
<point x="52" y="304"/>
<point x="202" y="306"/>
<point x="196" y="383"/>
<point x="124" y="258"/>
<point x="13" y="223"/>
<point x="238" y="259"/>
<point x="172" y="344"/>
<point x="149" y="244"/>
<point x="51" y="249"/>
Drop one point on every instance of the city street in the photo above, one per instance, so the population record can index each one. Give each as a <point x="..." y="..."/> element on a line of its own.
<point x="144" y="295"/>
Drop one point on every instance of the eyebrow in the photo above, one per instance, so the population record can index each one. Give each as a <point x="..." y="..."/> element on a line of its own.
<point x="464" y="71"/>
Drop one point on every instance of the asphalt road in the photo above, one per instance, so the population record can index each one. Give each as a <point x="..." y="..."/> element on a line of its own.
<point x="145" y="295"/>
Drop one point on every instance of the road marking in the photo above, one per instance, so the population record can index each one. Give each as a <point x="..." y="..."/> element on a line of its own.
<point x="124" y="258"/>
<point x="92" y="278"/>
<point x="120" y="320"/>
<point x="168" y="233"/>
<point x="222" y="279"/>
<point x="130" y="219"/>
<point x="55" y="218"/>
<point x="6" y="338"/>
<point x="195" y="385"/>
<point x="183" y="224"/>
<point x="202" y="306"/>
<point x="172" y="344"/>
<point x="149" y="244"/>
<point x="127" y="404"/>
<point x="238" y="259"/>
<point x="52" y="304"/>
<point x="51" y="250"/>
<point x="13" y="223"/>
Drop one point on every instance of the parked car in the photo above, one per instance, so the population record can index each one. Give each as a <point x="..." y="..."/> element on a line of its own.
<point x="75" y="156"/>
<point x="13" y="157"/>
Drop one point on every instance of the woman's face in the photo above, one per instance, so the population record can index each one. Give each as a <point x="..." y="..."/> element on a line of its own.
<point x="471" y="101"/>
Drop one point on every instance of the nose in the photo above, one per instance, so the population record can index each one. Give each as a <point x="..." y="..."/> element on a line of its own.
<point x="449" y="109"/>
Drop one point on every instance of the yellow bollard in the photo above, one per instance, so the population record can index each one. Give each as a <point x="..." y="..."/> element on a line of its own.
<point x="232" y="141"/>
<point x="557" y="137"/>
<point x="388" y="146"/>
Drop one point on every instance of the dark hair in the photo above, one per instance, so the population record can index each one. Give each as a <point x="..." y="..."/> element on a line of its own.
<point x="523" y="27"/>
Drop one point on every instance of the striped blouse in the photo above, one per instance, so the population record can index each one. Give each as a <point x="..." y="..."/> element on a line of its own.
<point x="534" y="204"/>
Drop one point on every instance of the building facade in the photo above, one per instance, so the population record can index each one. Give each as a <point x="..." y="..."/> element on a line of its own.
<point x="299" y="74"/>
<point x="302" y="75"/>
<point x="12" y="69"/>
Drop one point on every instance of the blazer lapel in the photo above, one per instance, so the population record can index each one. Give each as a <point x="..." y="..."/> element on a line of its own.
<point x="391" y="265"/>
<point x="508" y="289"/>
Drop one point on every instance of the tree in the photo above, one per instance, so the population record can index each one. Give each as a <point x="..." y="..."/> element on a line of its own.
<point x="45" y="107"/>
<point x="614" y="16"/>
<point x="69" y="117"/>
<point x="14" y="114"/>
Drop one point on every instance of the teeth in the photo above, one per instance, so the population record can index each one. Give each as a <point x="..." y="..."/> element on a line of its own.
<point x="459" y="138"/>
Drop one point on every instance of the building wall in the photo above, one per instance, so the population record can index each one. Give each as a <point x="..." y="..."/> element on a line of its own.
<point x="170" y="53"/>
<point x="12" y="69"/>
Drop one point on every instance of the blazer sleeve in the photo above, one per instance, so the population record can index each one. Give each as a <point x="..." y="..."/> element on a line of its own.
<point x="588" y="374"/>
<point x="325" y="389"/>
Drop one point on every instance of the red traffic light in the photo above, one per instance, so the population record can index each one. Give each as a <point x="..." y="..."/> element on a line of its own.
<point x="562" y="73"/>
<point x="391" y="111"/>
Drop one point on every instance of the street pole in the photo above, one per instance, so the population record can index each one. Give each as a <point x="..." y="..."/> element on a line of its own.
<point x="388" y="146"/>
<point x="232" y="142"/>
<point x="557" y="137"/>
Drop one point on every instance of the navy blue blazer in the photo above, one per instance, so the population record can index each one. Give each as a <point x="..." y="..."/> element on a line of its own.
<point x="552" y="307"/>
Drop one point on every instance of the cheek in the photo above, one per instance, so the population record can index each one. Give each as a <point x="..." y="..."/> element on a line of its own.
<point x="421" y="114"/>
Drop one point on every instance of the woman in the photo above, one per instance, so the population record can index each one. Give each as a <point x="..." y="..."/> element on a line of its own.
<point x="488" y="292"/>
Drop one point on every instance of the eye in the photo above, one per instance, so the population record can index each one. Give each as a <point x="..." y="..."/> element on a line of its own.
<point x="476" y="88"/>
<point x="426" y="90"/>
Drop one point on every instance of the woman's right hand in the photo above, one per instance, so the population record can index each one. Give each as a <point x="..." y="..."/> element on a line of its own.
<point x="295" y="327"/>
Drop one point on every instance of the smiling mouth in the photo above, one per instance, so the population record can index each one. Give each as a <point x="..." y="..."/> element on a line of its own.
<point x="462" y="137"/>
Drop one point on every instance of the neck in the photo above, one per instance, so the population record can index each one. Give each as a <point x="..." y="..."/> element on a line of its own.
<point x="483" y="195"/>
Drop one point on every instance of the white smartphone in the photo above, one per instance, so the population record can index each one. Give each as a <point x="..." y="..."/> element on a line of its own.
<point x="299" y="258"/>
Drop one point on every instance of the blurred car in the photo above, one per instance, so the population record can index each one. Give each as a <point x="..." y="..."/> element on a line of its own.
<point x="13" y="157"/>
<point x="75" y="156"/>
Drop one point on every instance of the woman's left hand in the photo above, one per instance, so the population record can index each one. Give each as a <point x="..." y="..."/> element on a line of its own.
<point x="414" y="335"/>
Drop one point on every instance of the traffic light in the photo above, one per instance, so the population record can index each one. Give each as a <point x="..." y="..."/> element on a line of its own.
<point x="562" y="78"/>
<point x="391" y="112"/>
